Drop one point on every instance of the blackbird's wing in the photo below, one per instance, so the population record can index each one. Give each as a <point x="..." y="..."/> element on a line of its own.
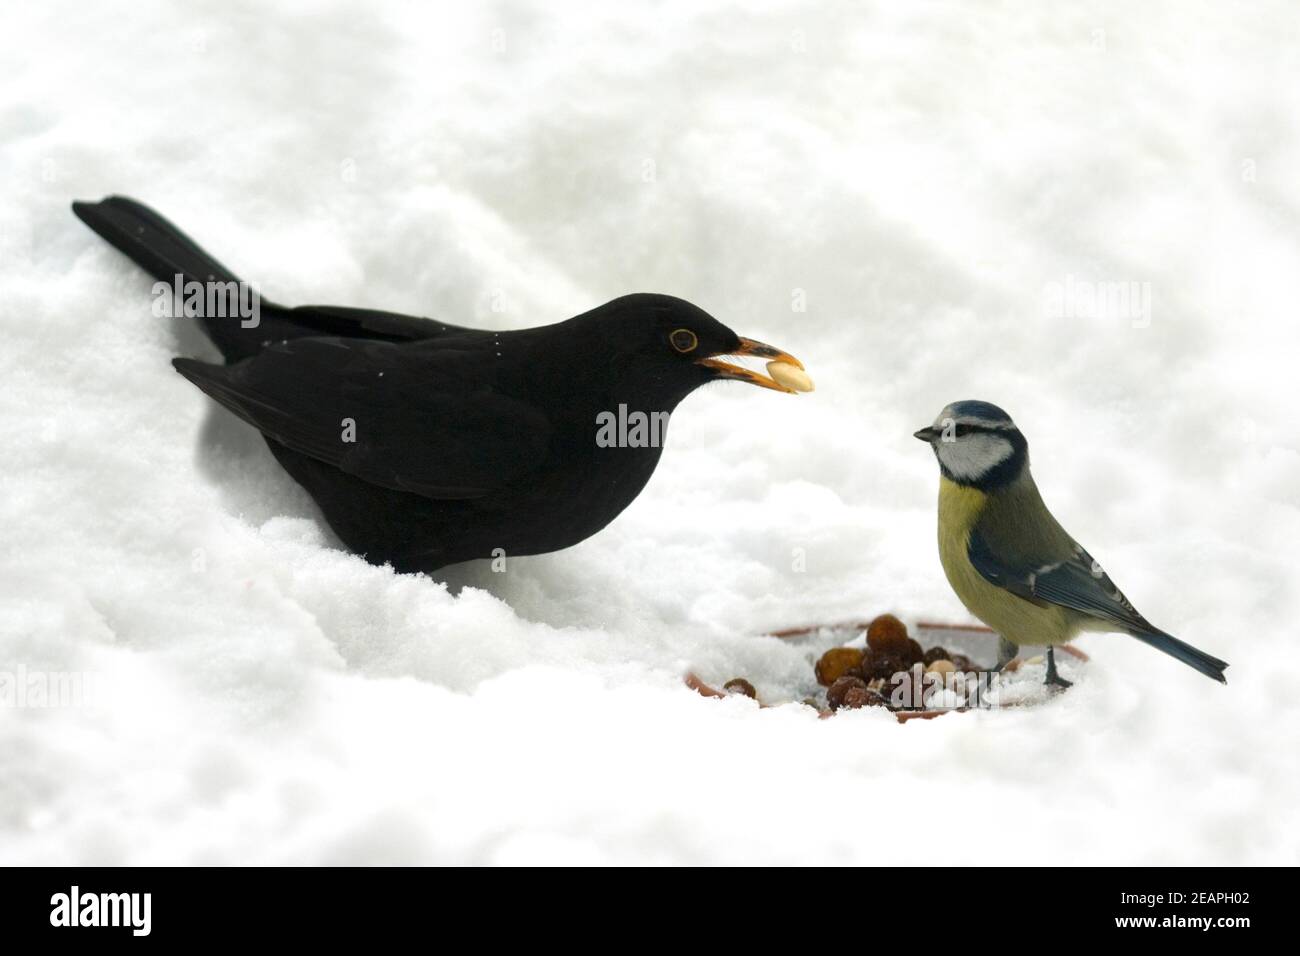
<point x="1074" y="581"/>
<point x="344" y="321"/>
<point x="415" y="418"/>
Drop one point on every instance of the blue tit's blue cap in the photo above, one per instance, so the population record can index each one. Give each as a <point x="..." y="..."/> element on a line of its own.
<point x="979" y="411"/>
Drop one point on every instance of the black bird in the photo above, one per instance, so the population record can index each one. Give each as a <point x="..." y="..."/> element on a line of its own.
<point x="462" y="441"/>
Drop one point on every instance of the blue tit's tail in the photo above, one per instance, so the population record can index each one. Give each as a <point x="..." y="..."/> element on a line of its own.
<point x="1211" y="667"/>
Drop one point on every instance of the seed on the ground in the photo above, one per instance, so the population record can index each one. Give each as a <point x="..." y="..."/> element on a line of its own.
<point x="912" y="652"/>
<point x="936" y="653"/>
<point x="887" y="635"/>
<point x="856" y="697"/>
<point x="962" y="662"/>
<point x="835" y="696"/>
<point x="738" y="685"/>
<point x="837" y="662"/>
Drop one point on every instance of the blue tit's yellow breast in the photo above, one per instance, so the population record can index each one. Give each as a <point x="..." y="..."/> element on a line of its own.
<point x="960" y="506"/>
<point x="1018" y="620"/>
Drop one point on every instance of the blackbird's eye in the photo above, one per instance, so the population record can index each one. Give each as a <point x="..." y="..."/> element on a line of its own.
<point x="683" y="340"/>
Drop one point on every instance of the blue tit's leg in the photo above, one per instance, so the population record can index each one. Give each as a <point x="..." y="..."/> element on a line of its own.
<point x="1052" y="676"/>
<point x="1006" y="653"/>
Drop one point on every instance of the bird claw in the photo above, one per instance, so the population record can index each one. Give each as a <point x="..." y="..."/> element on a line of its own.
<point x="1053" y="678"/>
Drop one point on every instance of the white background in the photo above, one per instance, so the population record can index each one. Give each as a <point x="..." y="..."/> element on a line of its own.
<point x="923" y="174"/>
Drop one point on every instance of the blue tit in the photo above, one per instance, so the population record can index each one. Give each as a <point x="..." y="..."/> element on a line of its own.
<point x="1008" y="559"/>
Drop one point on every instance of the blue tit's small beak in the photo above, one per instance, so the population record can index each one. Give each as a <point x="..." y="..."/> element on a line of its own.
<point x="927" y="434"/>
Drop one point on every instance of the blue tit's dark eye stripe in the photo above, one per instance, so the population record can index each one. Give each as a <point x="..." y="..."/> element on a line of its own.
<point x="979" y="428"/>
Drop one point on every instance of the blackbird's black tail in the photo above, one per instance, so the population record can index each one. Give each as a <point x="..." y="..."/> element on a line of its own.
<point x="151" y="241"/>
<point x="165" y="252"/>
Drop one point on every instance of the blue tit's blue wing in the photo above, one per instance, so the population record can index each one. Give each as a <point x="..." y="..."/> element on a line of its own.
<point x="1077" y="582"/>
<point x="1006" y="575"/>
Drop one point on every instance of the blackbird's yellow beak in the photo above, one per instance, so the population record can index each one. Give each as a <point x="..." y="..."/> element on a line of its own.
<point x="725" y="369"/>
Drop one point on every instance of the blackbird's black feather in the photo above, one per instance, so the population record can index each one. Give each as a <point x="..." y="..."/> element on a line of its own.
<point x="424" y="443"/>
<point x="456" y="436"/>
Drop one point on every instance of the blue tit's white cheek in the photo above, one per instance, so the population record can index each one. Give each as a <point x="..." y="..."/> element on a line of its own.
<point x="971" y="457"/>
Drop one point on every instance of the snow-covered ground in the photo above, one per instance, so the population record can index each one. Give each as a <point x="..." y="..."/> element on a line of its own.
<point x="935" y="185"/>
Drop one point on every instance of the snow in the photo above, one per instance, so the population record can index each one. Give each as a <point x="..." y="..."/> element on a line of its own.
<point x="926" y="181"/>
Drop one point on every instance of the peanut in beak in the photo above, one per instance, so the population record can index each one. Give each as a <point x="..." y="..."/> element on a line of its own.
<point x="791" y="376"/>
